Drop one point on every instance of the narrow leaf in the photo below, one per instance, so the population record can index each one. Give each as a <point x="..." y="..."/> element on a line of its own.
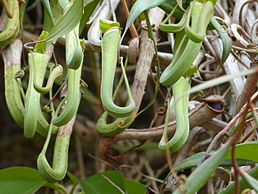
<point x="226" y="40"/>
<point x="139" y="7"/>
<point x="180" y="4"/>
<point x="47" y="22"/>
<point x="42" y="46"/>
<point x="73" y="178"/>
<point x="46" y="5"/>
<point x="169" y="5"/>
<point x="216" y="81"/>
<point x="89" y="7"/>
<point x="251" y="181"/>
<point x="195" y="159"/>
<point x="192" y="69"/>
<point x="243" y="184"/>
<point x="67" y="22"/>
<point x="22" y="11"/>
<point x="200" y="176"/>
<point x="220" y="80"/>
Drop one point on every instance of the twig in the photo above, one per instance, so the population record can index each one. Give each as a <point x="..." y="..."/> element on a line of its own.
<point x="229" y="126"/>
<point x="146" y="55"/>
<point x="235" y="138"/>
<point x="243" y="97"/>
<point x="201" y="114"/>
<point x="102" y="161"/>
<point x="132" y="28"/>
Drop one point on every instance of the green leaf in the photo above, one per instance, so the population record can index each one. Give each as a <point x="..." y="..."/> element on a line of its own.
<point x="105" y="25"/>
<point x="67" y="22"/>
<point x="41" y="46"/>
<point x="247" y="151"/>
<point x="169" y="5"/>
<point x="47" y="23"/>
<point x="139" y="7"/>
<point x="192" y="69"/>
<point x="243" y="184"/>
<point x="89" y="96"/>
<point x="216" y="81"/>
<point x="22" y="11"/>
<point x="89" y="7"/>
<point x="213" y="1"/>
<point x="143" y="5"/>
<point x="180" y="4"/>
<point x="109" y="182"/>
<point x="251" y="181"/>
<point x="202" y="173"/>
<point x="20" y="180"/>
<point x="246" y="154"/>
<point x="73" y="178"/>
<point x="195" y="159"/>
<point x="133" y="187"/>
<point x="47" y="7"/>
<point x="226" y="40"/>
<point x="220" y="80"/>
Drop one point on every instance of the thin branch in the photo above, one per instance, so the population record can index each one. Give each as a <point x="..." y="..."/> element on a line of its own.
<point x="132" y="28"/>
